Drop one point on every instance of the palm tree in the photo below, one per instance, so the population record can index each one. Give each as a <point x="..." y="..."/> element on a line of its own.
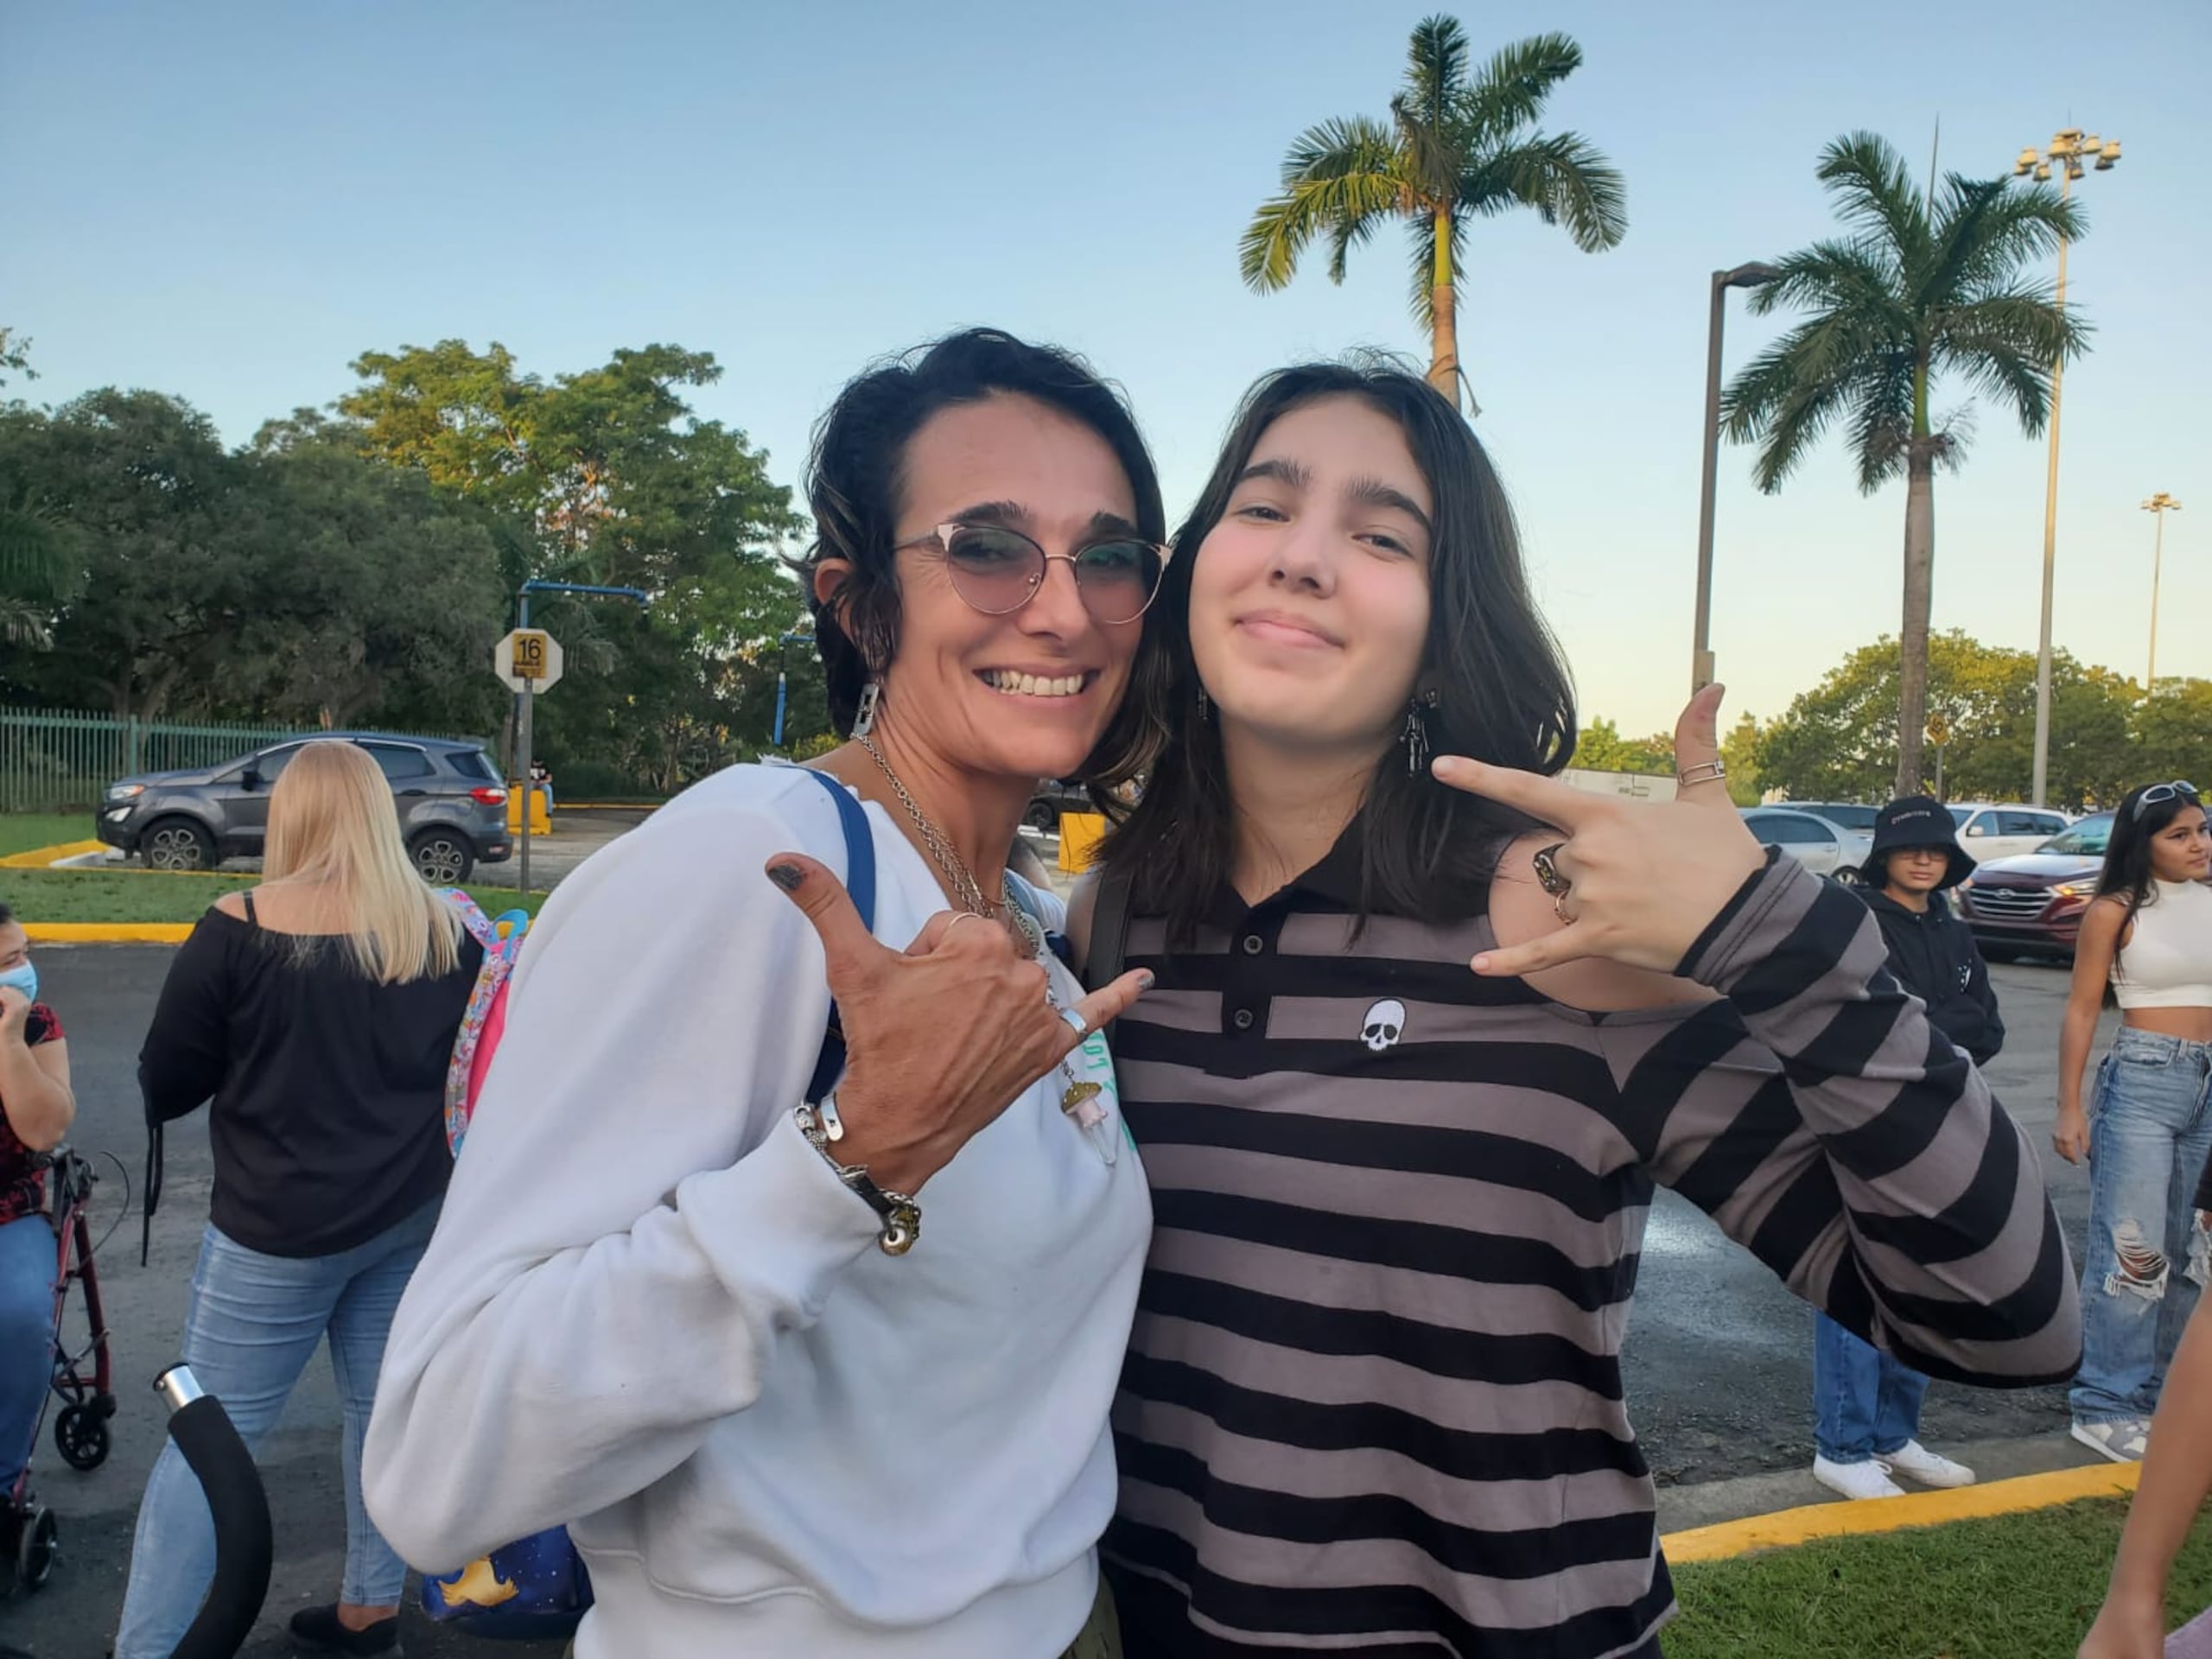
<point x="1454" y="149"/>
<point x="1922" y="285"/>
<point x="39" y="573"/>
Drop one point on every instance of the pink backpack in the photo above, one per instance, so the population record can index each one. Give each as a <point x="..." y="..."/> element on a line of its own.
<point x="485" y="1020"/>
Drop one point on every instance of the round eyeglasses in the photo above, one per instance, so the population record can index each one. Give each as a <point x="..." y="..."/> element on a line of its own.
<point x="997" y="570"/>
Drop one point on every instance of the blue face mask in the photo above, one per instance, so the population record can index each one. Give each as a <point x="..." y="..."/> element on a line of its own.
<point x="23" y="979"/>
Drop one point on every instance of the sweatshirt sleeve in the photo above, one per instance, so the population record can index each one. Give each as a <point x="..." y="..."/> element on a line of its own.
<point x="635" y="1223"/>
<point x="1985" y="994"/>
<point x="186" y="1050"/>
<point x="1824" y="1124"/>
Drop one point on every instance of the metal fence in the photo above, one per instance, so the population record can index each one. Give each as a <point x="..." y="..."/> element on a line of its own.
<point x="58" y="761"/>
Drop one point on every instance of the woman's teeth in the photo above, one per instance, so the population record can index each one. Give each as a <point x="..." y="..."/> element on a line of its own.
<point x="1031" y="685"/>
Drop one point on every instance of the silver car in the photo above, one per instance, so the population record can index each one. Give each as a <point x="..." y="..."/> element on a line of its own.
<point x="1821" y="845"/>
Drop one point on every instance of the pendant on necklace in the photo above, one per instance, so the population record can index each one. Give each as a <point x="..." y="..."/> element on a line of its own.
<point x="1081" y="1103"/>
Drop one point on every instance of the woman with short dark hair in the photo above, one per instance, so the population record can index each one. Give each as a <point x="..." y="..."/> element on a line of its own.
<point x="816" y="1372"/>
<point x="1373" y="1401"/>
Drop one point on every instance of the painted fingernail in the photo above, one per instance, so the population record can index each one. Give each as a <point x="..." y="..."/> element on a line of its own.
<point x="787" y="876"/>
<point x="1145" y="981"/>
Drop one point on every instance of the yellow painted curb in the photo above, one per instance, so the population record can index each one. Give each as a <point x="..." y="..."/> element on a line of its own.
<point x="40" y="858"/>
<point x="1845" y="1520"/>
<point x="108" y="932"/>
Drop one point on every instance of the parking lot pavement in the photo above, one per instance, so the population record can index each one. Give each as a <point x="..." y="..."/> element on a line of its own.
<point x="1717" y="1359"/>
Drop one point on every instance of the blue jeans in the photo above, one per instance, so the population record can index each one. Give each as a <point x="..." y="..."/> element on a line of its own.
<point x="2150" y="1135"/>
<point x="28" y="1256"/>
<point x="1865" y="1403"/>
<point x="254" y="1324"/>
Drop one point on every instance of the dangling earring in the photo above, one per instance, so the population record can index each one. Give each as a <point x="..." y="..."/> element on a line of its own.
<point x="864" y="716"/>
<point x="1415" y="736"/>
<point x="1206" y="708"/>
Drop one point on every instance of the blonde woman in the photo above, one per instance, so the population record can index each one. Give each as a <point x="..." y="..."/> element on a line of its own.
<point x="318" y="1013"/>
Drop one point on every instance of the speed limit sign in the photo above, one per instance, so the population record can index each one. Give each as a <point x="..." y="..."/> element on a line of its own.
<point x="528" y="659"/>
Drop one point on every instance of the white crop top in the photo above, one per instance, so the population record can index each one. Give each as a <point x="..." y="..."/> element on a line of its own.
<point x="2167" y="962"/>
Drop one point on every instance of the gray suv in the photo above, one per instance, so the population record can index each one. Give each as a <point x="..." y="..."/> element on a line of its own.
<point x="452" y="806"/>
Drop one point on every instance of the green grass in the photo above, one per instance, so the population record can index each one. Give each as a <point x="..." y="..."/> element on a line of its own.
<point x="151" y="896"/>
<point x="2012" y="1586"/>
<point x="24" y="832"/>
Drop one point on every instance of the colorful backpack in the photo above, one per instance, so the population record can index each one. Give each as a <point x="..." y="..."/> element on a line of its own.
<point x="485" y="1020"/>
<point x="538" y="1587"/>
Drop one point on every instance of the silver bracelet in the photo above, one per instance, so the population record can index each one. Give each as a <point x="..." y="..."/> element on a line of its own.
<point x="900" y="1215"/>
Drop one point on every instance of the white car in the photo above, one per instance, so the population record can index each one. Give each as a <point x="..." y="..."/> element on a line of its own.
<point x="1821" y="846"/>
<point x="1991" y="829"/>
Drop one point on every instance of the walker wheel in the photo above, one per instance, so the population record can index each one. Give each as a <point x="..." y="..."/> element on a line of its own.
<point x="34" y="1552"/>
<point x="80" y="1434"/>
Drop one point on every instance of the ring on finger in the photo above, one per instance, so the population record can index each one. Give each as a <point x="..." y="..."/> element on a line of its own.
<point x="1710" y="771"/>
<point x="1545" y="864"/>
<point x="958" y="918"/>
<point x="1076" y="1022"/>
<point x="1558" y="907"/>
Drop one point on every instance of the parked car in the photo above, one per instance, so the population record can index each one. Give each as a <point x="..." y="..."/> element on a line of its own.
<point x="1997" y="829"/>
<point x="452" y="805"/>
<point x="1054" y="796"/>
<point x="1845" y="814"/>
<point x="2031" y="904"/>
<point x="1821" y="846"/>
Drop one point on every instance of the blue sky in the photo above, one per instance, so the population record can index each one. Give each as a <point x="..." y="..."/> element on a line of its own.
<point x="229" y="202"/>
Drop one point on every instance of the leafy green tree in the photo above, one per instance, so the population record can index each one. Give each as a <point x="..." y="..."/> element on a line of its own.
<point x="606" y="476"/>
<point x="1923" y="286"/>
<point x="1456" y="148"/>
<point x="2172" y="734"/>
<point x="1838" y="741"/>
<point x="1739" y="752"/>
<point x="1601" y="747"/>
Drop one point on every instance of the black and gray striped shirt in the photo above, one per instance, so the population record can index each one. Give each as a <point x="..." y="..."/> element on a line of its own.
<point x="1373" y="1398"/>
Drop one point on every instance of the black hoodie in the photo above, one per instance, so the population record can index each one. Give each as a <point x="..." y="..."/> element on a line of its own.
<point x="1933" y="955"/>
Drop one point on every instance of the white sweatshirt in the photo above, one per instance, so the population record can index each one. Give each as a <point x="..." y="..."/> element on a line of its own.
<point x="653" y="1312"/>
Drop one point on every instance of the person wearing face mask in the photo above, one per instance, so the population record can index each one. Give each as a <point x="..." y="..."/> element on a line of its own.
<point x="1373" y="1399"/>
<point x="826" y="1373"/>
<point x="1867" y="1404"/>
<point x="36" y="1107"/>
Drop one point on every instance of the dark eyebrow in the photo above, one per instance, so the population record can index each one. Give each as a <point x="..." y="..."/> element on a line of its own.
<point x="1007" y="515"/>
<point x="1282" y="469"/>
<point x="1111" y="526"/>
<point x="1374" y="493"/>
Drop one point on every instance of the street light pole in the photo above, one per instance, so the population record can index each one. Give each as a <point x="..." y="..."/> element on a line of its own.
<point x="2069" y="147"/>
<point x="784" y="642"/>
<point x="1750" y="276"/>
<point x="2157" y="506"/>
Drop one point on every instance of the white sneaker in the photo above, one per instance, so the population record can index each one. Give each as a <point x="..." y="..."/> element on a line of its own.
<point x="1869" y="1477"/>
<point x="2122" y="1439"/>
<point x="1915" y="1462"/>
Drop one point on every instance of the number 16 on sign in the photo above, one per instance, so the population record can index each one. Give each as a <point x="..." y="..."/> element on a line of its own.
<point x="527" y="661"/>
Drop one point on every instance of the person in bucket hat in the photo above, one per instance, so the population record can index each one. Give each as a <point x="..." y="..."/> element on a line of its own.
<point x="1867" y="1404"/>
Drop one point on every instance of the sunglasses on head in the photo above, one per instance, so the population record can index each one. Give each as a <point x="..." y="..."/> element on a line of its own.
<point x="2177" y="790"/>
<point x="997" y="570"/>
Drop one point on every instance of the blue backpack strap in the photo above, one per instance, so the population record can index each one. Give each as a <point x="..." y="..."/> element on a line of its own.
<point x="860" y="882"/>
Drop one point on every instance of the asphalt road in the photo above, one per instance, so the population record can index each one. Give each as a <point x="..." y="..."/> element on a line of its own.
<point x="1719" y="1357"/>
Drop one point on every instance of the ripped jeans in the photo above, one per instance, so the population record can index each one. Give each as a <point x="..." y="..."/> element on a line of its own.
<point x="2149" y="1134"/>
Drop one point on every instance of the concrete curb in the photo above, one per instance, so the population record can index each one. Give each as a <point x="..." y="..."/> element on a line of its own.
<point x="1786" y="1528"/>
<point x="45" y="858"/>
<point x="108" y="932"/>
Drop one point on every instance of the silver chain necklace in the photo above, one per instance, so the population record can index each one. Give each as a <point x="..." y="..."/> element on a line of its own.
<point x="966" y="890"/>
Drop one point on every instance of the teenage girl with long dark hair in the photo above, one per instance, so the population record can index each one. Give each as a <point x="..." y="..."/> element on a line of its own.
<point x="2147" y="939"/>
<point x="1373" y="1398"/>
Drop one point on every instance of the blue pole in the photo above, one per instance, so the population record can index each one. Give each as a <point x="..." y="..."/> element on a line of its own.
<point x="783" y="676"/>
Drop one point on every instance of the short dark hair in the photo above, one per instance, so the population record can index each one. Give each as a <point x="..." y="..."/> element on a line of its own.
<point x="7" y="913"/>
<point x="857" y="474"/>
<point x="1503" y="692"/>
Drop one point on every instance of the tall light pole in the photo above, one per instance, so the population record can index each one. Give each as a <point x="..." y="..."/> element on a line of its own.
<point x="1750" y="276"/>
<point x="2157" y="506"/>
<point x="2069" y="149"/>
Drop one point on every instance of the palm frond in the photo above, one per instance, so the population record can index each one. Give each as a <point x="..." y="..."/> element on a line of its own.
<point x="1337" y="174"/>
<point x="1346" y="235"/>
<point x="1786" y="396"/>
<point x="1838" y="276"/>
<point x="2005" y="344"/>
<point x="1879" y="396"/>
<point x="1429" y="156"/>
<point x="1564" y="177"/>
<point x="1985" y="230"/>
<point x="1511" y="91"/>
<point x="1436" y="67"/>
<point x="1875" y="194"/>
